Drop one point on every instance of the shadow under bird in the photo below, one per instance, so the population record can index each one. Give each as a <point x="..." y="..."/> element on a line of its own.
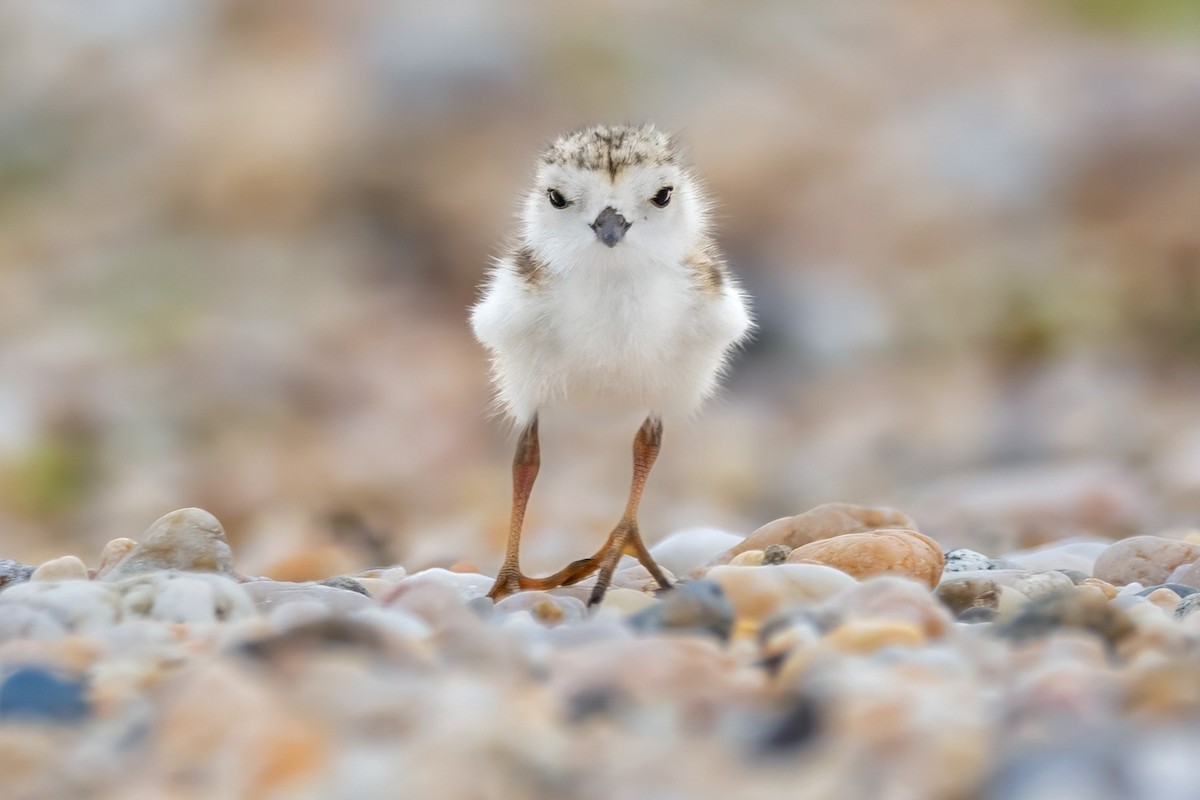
<point x="615" y="298"/>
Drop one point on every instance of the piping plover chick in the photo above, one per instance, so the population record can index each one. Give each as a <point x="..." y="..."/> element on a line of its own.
<point x="613" y="296"/>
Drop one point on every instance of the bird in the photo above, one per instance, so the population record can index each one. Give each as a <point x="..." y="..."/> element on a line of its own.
<point x="611" y="296"/>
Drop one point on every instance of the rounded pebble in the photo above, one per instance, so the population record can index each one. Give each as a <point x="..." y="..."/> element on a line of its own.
<point x="887" y="552"/>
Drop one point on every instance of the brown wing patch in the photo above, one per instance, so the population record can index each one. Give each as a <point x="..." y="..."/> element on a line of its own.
<point x="709" y="271"/>
<point x="528" y="267"/>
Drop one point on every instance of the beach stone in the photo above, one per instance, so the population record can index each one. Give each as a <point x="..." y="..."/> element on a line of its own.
<point x="1069" y="554"/>
<point x="14" y="572"/>
<point x="187" y="540"/>
<point x="67" y="568"/>
<point x="1188" y="575"/>
<point x="963" y="560"/>
<point x="1164" y="598"/>
<point x="978" y="614"/>
<point x="19" y="621"/>
<point x="467" y="585"/>
<point x="868" y="635"/>
<point x="78" y="605"/>
<point x="1075" y="575"/>
<point x="634" y="577"/>
<point x="1147" y="560"/>
<point x="1039" y="584"/>
<point x="545" y="608"/>
<point x="1187" y="605"/>
<point x="776" y="554"/>
<point x="885" y="552"/>
<point x="692" y="607"/>
<point x="749" y="558"/>
<point x="268" y="595"/>
<point x="966" y="593"/>
<point x="1105" y="587"/>
<point x="347" y="583"/>
<point x="34" y="693"/>
<point x="823" y="522"/>
<point x="1073" y="610"/>
<point x="684" y="551"/>
<point x="112" y="554"/>
<point x="626" y="601"/>
<point x="184" y="597"/>
<point x="758" y="592"/>
<point x="1178" y="588"/>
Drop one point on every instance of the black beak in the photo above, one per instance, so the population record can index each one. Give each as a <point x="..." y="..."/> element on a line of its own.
<point x="610" y="226"/>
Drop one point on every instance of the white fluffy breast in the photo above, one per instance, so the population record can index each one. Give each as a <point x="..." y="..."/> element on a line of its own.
<point x="625" y="333"/>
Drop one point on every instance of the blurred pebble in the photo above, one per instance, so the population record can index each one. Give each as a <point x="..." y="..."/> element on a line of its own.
<point x="1187" y="605"/>
<point x="347" y="583"/>
<point x="1108" y="589"/>
<point x="684" y="551"/>
<point x="1073" y="610"/>
<point x="13" y="572"/>
<point x="67" y="568"/>
<point x="692" y="607"/>
<point x="1164" y="598"/>
<point x="1178" y="588"/>
<point x="112" y="554"/>
<point x="184" y="597"/>
<point x="77" y="605"/>
<point x="1147" y="560"/>
<point x="271" y="594"/>
<point x="868" y="635"/>
<point x="38" y="694"/>
<point x="545" y="608"/>
<point x="467" y="585"/>
<point x="758" y="592"/>
<point x="963" y="560"/>
<point x="749" y="558"/>
<point x="1079" y="555"/>
<point x="823" y="522"/>
<point x="189" y="540"/>
<point x="966" y="593"/>
<point x="886" y="552"/>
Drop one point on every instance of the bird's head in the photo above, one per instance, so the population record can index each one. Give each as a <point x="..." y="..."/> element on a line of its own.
<point x="607" y="193"/>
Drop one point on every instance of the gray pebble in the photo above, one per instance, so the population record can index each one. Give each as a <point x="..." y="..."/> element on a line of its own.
<point x="1187" y="605"/>
<point x="693" y="607"/>
<point x="13" y="572"/>
<point x="1177" y="588"/>
<point x="347" y="583"/>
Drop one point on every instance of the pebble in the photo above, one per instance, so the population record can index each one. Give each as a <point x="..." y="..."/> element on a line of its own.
<point x="1178" y="588"/>
<point x="963" y="560"/>
<point x="1147" y="560"/>
<point x="895" y="599"/>
<point x="1073" y="554"/>
<point x="548" y="609"/>
<point x="693" y="607"/>
<point x="466" y="585"/>
<point x="1164" y="598"/>
<point x="823" y="522"/>
<point x="868" y="635"/>
<point x="112" y="554"/>
<point x="188" y="540"/>
<point x="1188" y="575"/>
<point x="14" y="572"/>
<point x="1070" y="610"/>
<point x="758" y="592"/>
<point x="77" y="605"/>
<point x="267" y="595"/>
<point x="966" y="593"/>
<point x="347" y="583"/>
<point x="626" y="601"/>
<point x="184" y="597"/>
<point x="1187" y="605"/>
<point x="886" y="552"/>
<point x="684" y="551"/>
<point x="33" y="693"/>
<point x="67" y="568"/>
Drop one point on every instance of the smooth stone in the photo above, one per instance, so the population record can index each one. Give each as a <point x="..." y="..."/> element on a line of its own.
<point x="345" y="582"/>
<point x="1187" y="605"/>
<point x="977" y="614"/>
<point x="638" y="578"/>
<point x="1188" y="575"/>
<point x="376" y="587"/>
<point x="1072" y="610"/>
<point x="686" y="550"/>
<point x="184" y="597"/>
<point x="187" y="540"/>
<point x="758" y="592"/>
<point x="626" y="601"/>
<point x="1074" y="554"/>
<point x="18" y="621"/>
<point x="1164" y="598"/>
<point x="886" y="552"/>
<point x="967" y="593"/>
<point x="67" y="568"/>
<point x="14" y="572"/>
<point x="868" y="635"/>
<point x="38" y="694"/>
<point x="112" y="554"/>
<point x="393" y="622"/>
<point x="271" y="594"/>
<point x="964" y="560"/>
<point x="1040" y="584"/>
<point x="467" y="585"/>
<point x="749" y="558"/>
<point x="392" y="575"/>
<point x="1177" y="588"/>
<point x="544" y="608"/>
<point x="296" y="614"/>
<point x="78" y="605"/>
<point x="893" y="598"/>
<point x="1107" y="588"/>
<point x="823" y="522"/>
<point x="692" y="607"/>
<point x="776" y="554"/>
<point x="1075" y="575"/>
<point x="1147" y="560"/>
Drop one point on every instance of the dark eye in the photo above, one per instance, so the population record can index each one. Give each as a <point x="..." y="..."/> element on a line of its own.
<point x="556" y="198"/>
<point x="663" y="197"/>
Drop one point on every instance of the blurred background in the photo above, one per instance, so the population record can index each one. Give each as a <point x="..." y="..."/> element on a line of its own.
<point x="239" y="238"/>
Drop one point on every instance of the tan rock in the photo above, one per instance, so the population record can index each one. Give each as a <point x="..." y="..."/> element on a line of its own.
<point x="748" y="558"/>
<point x="1107" y="588"/>
<point x="884" y="552"/>
<point x="869" y="635"/>
<point x="67" y="568"/>
<point x="1165" y="599"/>
<point x="190" y="539"/>
<point x="757" y="592"/>
<point x="1147" y="560"/>
<point x="112" y="554"/>
<point x="823" y="522"/>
